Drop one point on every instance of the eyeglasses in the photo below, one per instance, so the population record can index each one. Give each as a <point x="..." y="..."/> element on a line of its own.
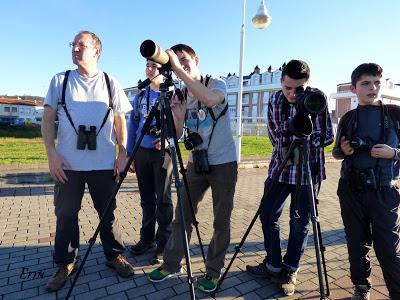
<point x="80" y="45"/>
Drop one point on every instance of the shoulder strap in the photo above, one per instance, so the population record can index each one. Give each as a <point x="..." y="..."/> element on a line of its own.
<point x="109" y="90"/>
<point x="394" y="113"/>
<point x="64" y="106"/>
<point x="110" y="105"/>
<point x="139" y="100"/>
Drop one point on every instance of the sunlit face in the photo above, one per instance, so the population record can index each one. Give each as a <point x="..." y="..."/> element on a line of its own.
<point x="189" y="63"/>
<point x="152" y="69"/>
<point x="367" y="89"/>
<point x="84" y="51"/>
<point x="289" y="86"/>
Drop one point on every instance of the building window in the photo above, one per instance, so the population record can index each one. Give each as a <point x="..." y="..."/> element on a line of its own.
<point x="264" y="111"/>
<point x="232" y="99"/>
<point x="232" y="112"/>
<point x="265" y="97"/>
<point x="14" y="109"/>
<point x="7" y="109"/>
<point x="254" y="113"/>
<point x="245" y="98"/>
<point x="245" y="112"/>
<point x="254" y="98"/>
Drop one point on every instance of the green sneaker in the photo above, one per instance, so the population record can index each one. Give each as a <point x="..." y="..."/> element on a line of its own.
<point x="160" y="274"/>
<point x="207" y="284"/>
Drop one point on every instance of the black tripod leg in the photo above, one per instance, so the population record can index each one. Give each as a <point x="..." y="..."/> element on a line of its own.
<point x="122" y="176"/>
<point x="314" y="218"/>
<point x="265" y="195"/>
<point x="178" y="184"/>
<point x="322" y="250"/>
<point x="186" y="185"/>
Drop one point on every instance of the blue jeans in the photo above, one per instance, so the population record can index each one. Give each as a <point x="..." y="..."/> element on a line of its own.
<point x="299" y="223"/>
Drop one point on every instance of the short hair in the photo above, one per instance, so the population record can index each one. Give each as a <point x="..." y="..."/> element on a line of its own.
<point x="95" y="38"/>
<point x="296" y="69"/>
<point x="182" y="47"/>
<point x="371" y="69"/>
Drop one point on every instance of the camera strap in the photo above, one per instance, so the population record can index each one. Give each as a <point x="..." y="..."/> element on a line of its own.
<point x="64" y="106"/>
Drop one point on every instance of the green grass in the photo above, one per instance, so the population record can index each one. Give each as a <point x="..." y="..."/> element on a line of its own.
<point x="15" y="148"/>
<point x="22" y="151"/>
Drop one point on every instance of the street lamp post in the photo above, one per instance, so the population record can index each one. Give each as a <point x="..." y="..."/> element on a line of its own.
<point x="260" y="21"/>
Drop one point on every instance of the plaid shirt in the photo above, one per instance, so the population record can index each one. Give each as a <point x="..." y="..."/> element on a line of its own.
<point x="279" y="114"/>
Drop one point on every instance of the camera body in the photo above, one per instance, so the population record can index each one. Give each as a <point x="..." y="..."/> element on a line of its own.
<point x="192" y="140"/>
<point x="362" y="144"/>
<point x="86" y="137"/>
<point x="308" y="101"/>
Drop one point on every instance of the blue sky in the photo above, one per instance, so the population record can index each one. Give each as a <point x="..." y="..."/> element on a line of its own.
<point x="332" y="36"/>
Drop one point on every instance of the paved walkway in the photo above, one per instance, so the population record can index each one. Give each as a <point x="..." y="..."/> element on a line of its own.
<point x="27" y="226"/>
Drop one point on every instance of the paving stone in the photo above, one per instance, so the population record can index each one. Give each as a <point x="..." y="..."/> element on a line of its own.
<point x="27" y="217"/>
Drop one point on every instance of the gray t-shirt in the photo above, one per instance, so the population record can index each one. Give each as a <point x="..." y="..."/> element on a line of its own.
<point x="222" y="149"/>
<point x="87" y="102"/>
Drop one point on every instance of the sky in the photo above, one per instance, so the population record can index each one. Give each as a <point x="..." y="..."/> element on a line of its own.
<point x="333" y="37"/>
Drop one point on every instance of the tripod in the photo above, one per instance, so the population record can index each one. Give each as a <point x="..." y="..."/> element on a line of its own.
<point x="302" y="143"/>
<point x="165" y="116"/>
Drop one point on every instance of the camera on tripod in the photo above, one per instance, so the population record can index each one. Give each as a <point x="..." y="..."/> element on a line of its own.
<point x="362" y="144"/>
<point x="192" y="140"/>
<point x="86" y="137"/>
<point x="308" y="102"/>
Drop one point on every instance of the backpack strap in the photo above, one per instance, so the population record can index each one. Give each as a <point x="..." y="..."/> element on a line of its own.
<point x="62" y="103"/>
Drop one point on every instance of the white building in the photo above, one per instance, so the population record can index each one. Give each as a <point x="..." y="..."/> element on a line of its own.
<point x="11" y="109"/>
<point x="257" y="89"/>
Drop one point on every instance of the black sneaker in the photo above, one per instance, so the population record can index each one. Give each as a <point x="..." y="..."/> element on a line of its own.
<point x="361" y="292"/>
<point x="141" y="247"/>
<point x="288" y="281"/>
<point x="158" y="256"/>
<point x="262" y="271"/>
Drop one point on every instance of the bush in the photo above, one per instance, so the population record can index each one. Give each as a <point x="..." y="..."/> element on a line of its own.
<point x="20" y="132"/>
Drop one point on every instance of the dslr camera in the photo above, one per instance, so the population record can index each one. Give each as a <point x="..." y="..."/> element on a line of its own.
<point x="308" y="101"/>
<point x="86" y="137"/>
<point x="358" y="143"/>
<point x="192" y="140"/>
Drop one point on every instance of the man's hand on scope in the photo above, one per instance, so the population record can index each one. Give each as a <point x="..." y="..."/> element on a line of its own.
<point x="174" y="61"/>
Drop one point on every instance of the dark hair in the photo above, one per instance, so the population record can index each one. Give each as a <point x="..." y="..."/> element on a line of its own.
<point x="371" y="69"/>
<point x="95" y="38"/>
<point x="182" y="47"/>
<point x="296" y="69"/>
